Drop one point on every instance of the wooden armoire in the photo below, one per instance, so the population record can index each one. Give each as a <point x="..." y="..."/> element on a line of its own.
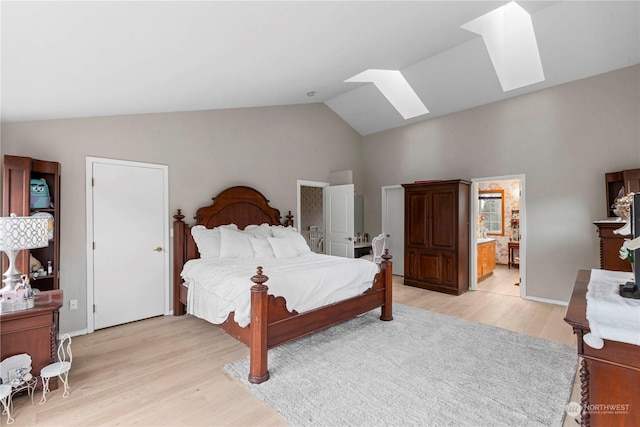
<point x="436" y="235"/>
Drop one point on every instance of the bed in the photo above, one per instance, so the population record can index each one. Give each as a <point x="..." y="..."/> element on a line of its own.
<point x="270" y="323"/>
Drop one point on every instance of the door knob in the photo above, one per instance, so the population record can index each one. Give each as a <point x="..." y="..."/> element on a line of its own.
<point x="158" y="249"/>
<point x="349" y="238"/>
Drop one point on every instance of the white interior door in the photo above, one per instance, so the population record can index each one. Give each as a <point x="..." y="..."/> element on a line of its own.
<point x="339" y="220"/>
<point x="393" y="224"/>
<point x="130" y="271"/>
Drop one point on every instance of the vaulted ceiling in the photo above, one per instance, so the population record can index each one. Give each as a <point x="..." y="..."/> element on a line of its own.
<point x="84" y="59"/>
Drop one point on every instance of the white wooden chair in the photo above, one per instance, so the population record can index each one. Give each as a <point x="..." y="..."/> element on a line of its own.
<point x="5" y="399"/>
<point x="377" y="245"/>
<point x="15" y="372"/>
<point x="58" y="369"/>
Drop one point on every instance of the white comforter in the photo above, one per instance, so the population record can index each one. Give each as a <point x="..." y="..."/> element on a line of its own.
<point x="219" y="286"/>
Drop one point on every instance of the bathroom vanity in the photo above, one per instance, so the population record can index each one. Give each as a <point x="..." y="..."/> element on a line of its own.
<point x="486" y="257"/>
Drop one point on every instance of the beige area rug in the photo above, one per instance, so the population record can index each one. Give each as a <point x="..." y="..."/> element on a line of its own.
<point x="421" y="369"/>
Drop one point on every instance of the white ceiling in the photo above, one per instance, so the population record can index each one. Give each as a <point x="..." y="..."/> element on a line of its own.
<point x="83" y="59"/>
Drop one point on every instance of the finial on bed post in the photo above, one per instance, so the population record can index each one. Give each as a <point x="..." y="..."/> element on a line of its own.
<point x="289" y="221"/>
<point x="258" y="370"/>
<point x="178" y="216"/>
<point x="387" y="267"/>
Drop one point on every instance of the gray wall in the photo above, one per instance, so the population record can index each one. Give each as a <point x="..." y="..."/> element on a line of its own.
<point x="563" y="140"/>
<point x="207" y="151"/>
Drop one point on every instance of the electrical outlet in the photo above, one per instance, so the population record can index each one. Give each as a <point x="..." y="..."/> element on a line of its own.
<point x="73" y="304"/>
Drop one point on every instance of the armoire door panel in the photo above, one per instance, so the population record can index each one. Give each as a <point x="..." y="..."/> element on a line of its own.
<point x="430" y="267"/>
<point x="443" y="224"/>
<point x="449" y="271"/>
<point x="417" y="218"/>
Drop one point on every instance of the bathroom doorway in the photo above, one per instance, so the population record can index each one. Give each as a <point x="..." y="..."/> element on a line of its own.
<point x="498" y="238"/>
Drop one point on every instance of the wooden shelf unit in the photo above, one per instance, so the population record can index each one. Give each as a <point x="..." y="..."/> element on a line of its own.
<point x="614" y="181"/>
<point x="17" y="174"/>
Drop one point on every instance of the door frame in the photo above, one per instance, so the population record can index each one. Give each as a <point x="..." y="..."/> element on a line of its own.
<point x="473" y="243"/>
<point x="385" y="217"/>
<point x="90" y="161"/>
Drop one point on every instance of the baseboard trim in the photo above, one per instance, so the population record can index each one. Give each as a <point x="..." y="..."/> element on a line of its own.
<point x="547" y="300"/>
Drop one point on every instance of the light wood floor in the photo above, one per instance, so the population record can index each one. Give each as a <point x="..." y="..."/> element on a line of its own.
<point x="502" y="281"/>
<point x="168" y="371"/>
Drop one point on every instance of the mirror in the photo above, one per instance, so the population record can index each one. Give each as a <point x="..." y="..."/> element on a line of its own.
<point x="491" y="208"/>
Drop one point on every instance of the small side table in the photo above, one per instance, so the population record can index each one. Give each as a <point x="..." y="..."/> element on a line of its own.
<point x="513" y="247"/>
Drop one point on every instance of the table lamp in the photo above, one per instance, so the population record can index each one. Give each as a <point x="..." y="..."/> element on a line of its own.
<point x="18" y="233"/>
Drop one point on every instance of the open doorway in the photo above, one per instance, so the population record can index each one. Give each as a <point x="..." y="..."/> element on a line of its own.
<point x="310" y="220"/>
<point x="497" y="235"/>
<point x="327" y="217"/>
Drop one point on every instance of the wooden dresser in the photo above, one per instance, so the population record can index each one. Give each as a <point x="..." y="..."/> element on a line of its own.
<point x="609" y="377"/>
<point x="436" y="235"/>
<point x="33" y="331"/>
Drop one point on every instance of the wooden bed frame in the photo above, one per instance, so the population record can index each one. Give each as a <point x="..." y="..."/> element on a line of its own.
<point x="271" y="323"/>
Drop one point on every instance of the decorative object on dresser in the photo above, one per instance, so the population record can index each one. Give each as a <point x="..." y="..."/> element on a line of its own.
<point x="271" y="322"/>
<point x="18" y="233"/>
<point x="437" y="235"/>
<point x="17" y="196"/>
<point x="610" y="369"/>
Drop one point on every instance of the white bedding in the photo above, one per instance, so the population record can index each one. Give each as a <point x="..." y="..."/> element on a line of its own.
<point x="219" y="286"/>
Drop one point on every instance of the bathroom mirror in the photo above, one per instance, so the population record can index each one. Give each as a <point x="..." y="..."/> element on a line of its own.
<point x="491" y="207"/>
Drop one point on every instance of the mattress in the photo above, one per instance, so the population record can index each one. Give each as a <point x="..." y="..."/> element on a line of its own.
<point x="219" y="286"/>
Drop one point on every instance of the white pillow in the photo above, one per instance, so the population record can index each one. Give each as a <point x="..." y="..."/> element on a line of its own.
<point x="261" y="247"/>
<point x="208" y="239"/>
<point x="282" y="228"/>
<point x="282" y="247"/>
<point x="235" y="244"/>
<point x="262" y="230"/>
<point x="295" y="239"/>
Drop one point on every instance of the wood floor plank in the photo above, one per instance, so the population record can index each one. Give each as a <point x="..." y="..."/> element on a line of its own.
<point x="169" y="371"/>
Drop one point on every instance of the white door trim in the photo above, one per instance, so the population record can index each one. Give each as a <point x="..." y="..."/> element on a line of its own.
<point x="89" y="235"/>
<point x="384" y="220"/>
<point x="473" y="249"/>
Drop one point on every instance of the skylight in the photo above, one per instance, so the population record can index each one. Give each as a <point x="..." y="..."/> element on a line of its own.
<point x="395" y="88"/>
<point x="508" y="34"/>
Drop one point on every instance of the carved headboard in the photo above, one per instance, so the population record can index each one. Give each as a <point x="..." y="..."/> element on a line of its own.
<point x="239" y="205"/>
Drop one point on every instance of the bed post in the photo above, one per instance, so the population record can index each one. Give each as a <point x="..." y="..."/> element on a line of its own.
<point x="289" y="221"/>
<point x="258" y="371"/>
<point x="386" y="267"/>
<point x="178" y="261"/>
